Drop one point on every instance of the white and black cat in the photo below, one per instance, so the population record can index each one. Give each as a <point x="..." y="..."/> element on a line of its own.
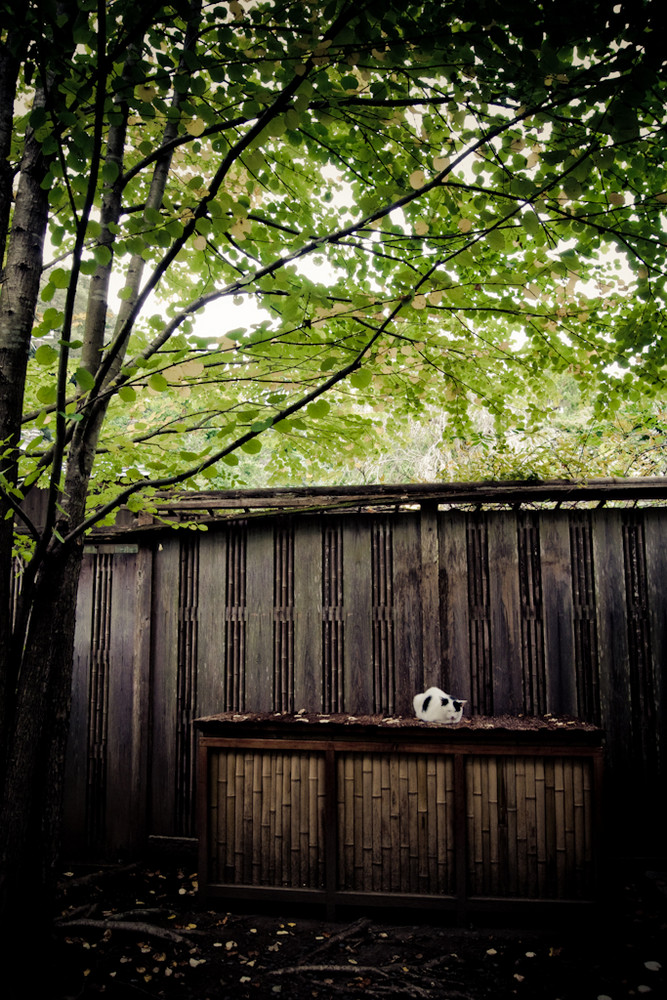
<point x="435" y="705"/>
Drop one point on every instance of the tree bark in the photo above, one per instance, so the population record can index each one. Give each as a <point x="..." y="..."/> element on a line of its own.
<point x="31" y="808"/>
<point x="18" y="298"/>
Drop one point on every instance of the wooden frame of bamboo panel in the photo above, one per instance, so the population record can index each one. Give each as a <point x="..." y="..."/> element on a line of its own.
<point x="328" y="865"/>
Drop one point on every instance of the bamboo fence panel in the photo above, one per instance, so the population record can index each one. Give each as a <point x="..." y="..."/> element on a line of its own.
<point x="394" y="823"/>
<point x="531" y="823"/>
<point x="266" y="820"/>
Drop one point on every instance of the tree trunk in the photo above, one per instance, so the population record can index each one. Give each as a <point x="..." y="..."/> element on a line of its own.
<point x="31" y="809"/>
<point x="18" y="297"/>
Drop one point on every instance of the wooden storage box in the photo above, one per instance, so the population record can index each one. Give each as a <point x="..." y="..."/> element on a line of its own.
<point x="349" y="811"/>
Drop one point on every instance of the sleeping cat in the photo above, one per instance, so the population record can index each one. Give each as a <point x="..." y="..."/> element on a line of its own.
<point x="436" y="706"/>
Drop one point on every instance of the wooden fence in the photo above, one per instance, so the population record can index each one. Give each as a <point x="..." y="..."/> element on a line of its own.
<point x="338" y="812"/>
<point x="519" y="611"/>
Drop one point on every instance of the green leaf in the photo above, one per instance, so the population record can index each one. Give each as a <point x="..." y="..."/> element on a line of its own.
<point x="127" y="394"/>
<point x="361" y="379"/>
<point x="319" y="408"/>
<point x="59" y="277"/>
<point x="496" y="240"/>
<point x="102" y="255"/>
<point x="46" y="355"/>
<point x="110" y="172"/>
<point x="84" y="379"/>
<point x="52" y="318"/>
<point x="47" y="394"/>
<point x="158" y="382"/>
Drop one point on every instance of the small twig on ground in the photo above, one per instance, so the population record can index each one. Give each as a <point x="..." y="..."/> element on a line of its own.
<point x="406" y="989"/>
<point x="87" y="910"/>
<point x="133" y="914"/>
<point x="351" y="969"/>
<point x="358" y="925"/>
<point x="133" y="927"/>
<point x="101" y="873"/>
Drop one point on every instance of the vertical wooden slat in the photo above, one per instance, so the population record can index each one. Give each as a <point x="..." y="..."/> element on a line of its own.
<point x="235" y="619"/>
<point x="384" y="613"/>
<point x="540" y="830"/>
<point x="164" y="687"/>
<point x="586" y="652"/>
<point x="74" y="792"/>
<point x="642" y="707"/>
<point x="123" y="825"/>
<point x="409" y="612"/>
<point x="505" y="615"/>
<point x="357" y="593"/>
<point x="656" y="574"/>
<point x="208" y="817"/>
<point x="257" y="830"/>
<point x="455" y="676"/>
<point x="101" y="655"/>
<point x="532" y="620"/>
<point x="613" y="658"/>
<point x="558" y="613"/>
<point x="186" y="681"/>
<point x="460" y="830"/>
<point x="332" y="837"/>
<point x="211" y="688"/>
<point x="283" y="617"/>
<point x="265" y="816"/>
<point x="479" y="614"/>
<point x="430" y="597"/>
<point x="379" y="827"/>
<point x="386" y="836"/>
<point x="308" y="617"/>
<point x="259" y="638"/>
<point x="333" y="615"/>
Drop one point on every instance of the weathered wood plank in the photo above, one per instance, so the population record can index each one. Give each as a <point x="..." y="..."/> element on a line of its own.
<point x="454" y="673"/>
<point x="308" y="617"/>
<point x="74" y="794"/>
<point x="556" y="566"/>
<point x="259" y="676"/>
<point x="164" y="687"/>
<point x="505" y="614"/>
<point x="656" y="575"/>
<point x="358" y="636"/>
<point x="121" y="746"/>
<point x="211" y="613"/>
<point x="430" y="596"/>
<point x="614" y="665"/>
<point x="409" y="615"/>
<point x="656" y="571"/>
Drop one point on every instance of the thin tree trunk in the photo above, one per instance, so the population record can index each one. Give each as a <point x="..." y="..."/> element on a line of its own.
<point x="31" y="809"/>
<point x="18" y="297"/>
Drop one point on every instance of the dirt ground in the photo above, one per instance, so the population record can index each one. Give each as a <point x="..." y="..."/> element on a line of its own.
<point x="139" y="932"/>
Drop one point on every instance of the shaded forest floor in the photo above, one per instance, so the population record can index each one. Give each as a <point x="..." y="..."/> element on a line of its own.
<point x="141" y="932"/>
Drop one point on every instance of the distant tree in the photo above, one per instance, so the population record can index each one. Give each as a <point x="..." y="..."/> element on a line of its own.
<point x="431" y="202"/>
<point x="567" y="440"/>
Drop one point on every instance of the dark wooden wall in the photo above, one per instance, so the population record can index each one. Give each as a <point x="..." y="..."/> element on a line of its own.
<point x="523" y="611"/>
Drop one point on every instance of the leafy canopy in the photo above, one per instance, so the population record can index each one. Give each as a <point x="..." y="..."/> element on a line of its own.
<point x="417" y="205"/>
